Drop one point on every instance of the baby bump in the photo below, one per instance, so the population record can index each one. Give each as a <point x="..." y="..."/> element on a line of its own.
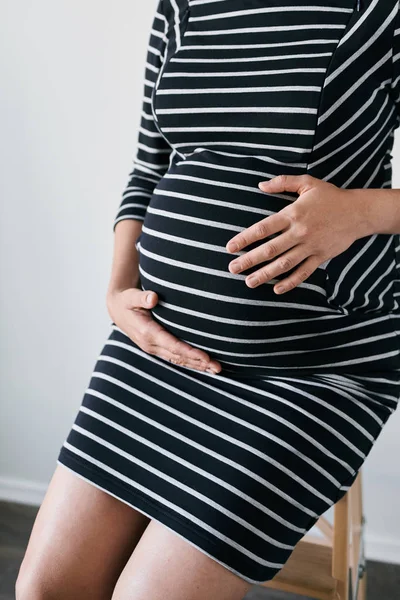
<point x="183" y="257"/>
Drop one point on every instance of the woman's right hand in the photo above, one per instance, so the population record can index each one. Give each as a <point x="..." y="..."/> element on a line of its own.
<point x="130" y="311"/>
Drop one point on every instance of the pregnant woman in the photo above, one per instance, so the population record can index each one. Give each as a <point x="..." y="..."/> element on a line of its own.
<point x="224" y="415"/>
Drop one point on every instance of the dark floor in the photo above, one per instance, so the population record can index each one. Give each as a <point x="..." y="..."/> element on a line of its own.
<point x="16" y="521"/>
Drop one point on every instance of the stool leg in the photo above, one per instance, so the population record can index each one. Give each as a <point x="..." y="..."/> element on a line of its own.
<point x="362" y="587"/>
<point x="355" y="496"/>
<point x="362" y="583"/>
<point x="340" y="554"/>
<point x="358" y="538"/>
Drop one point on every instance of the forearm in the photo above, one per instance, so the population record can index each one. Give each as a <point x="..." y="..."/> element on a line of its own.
<point x="380" y="208"/>
<point x="125" y="262"/>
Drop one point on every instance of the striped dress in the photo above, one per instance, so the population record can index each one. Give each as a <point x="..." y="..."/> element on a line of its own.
<point x="242" y="463"/>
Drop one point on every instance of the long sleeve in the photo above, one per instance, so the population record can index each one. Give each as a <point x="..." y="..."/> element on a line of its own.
<point x="395" y="83"/>
<point x="151" y="160"/>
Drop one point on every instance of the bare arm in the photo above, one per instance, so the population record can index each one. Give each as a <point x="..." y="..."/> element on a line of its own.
<point x="126" y="302"/>
<point x="124" y="270"/>
<point x="129" y="308"/>
<point x="381" y="208"/>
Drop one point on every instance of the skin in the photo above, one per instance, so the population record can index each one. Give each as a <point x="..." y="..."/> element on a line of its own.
<point x="166" y="567"/>
<point x="79" y="544"/>
<point x="321" y="223"/>
<point x="84" y="544"/>
<point x="128" y="306"/>
<point x="87" y="545"/>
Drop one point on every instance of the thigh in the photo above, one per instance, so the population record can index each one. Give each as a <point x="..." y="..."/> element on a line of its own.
<point x="80" y="541"/>
<point x="164" y="566"/>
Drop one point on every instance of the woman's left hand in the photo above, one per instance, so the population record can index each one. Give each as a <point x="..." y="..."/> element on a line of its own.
<point x="320" y="224"/>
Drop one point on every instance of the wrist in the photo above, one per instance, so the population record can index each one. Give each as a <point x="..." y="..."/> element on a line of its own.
<point x="121" y="286"/>
<point x="376" y="210"/>
<point x="112" y="293"/>
<point x="363" y="203"/>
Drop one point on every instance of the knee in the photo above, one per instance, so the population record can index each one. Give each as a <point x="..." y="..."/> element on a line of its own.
<point x="44" y="582"/>
<point x="32" y="586"/>
<point x="24" y="590"/>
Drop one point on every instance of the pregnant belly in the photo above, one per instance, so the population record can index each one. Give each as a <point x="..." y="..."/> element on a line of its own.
<point x="196" y="208"/>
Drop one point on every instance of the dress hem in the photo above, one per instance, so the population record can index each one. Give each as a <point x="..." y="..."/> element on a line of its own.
<point x="79" y="468"/>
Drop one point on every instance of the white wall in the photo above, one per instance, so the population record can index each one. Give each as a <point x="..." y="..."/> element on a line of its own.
<point x="71" y="76"/>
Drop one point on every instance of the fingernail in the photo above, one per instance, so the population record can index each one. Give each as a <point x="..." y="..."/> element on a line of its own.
<point x="232" y="247"/>
<point x="252" y="281"/>
<point x="212" y="370"/>
<point x="149" y="298"/>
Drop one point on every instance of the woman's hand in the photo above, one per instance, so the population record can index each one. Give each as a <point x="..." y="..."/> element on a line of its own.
<point x="130" y="310"/>
<point x="320" y="224"/>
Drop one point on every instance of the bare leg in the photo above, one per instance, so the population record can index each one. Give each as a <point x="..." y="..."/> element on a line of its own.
<point x="80" y="542"/>
<point x="164" y="566"/>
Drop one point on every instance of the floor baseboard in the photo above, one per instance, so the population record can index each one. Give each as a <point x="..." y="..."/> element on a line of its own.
<point x="382" y="549"/>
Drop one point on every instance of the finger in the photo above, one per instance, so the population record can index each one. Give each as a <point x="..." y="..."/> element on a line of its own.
<point x="157" y="336"/>
<point x="259" y="231"/>
<point x="140" y="333"/>
<point x="283" y="263"/>
<point x="300" y="275"/>
<point x="262" y="253"/>
<point x="148" y="298"/>
<point x="142" y="298"/>
<point x="179" y="348"/>
<point x="287" y="183"/>
<point x="181" y="361"/>
<point x="149" y="335"/>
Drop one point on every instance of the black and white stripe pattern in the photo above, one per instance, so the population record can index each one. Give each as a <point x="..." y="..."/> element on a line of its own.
<point x="241" y="468"/>
<point x="239" y="93"/>
<point x="241" y="464"/>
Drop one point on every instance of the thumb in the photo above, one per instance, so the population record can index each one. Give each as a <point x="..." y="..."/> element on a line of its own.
<point x="148" y="298"/>
<point x="288" y="183"/>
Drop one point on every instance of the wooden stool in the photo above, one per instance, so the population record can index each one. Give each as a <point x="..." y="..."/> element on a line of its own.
<point x="330" y="567"/>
